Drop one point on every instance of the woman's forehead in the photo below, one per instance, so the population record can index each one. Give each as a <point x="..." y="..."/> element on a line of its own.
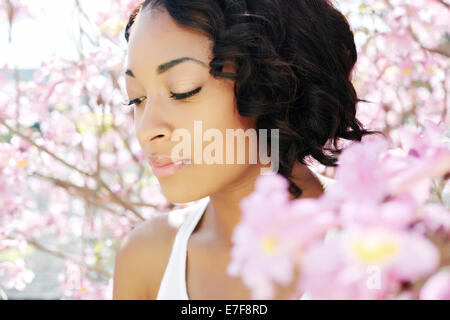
<point x="159" y="28"/>
<point x="156" y="38"/>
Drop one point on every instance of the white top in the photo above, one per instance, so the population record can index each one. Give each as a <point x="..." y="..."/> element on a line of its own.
<point x="173" y="283"/>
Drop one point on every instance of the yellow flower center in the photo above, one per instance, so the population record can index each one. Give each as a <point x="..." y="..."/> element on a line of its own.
<point x="269" y="244"/>
<point x="406" y="71"/>
<point x="21" y="164"/>
<point x="375" y="248"/>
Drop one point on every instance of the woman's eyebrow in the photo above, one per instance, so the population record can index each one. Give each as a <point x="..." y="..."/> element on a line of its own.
<point x="167" y="65"/>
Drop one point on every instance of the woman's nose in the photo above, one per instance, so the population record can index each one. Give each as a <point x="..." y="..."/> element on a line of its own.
<point x="152" y="125"/>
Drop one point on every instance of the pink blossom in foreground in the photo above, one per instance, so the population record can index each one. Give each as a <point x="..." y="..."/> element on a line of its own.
<point x="272" y="234"/>
<point x="381" y="227"/>
<point x="366" y="263"/>
<point x="399" y="213"/>
<point x="257" y="254"/>
<point x="328" y="274"/>
<point x="436" y="217"/>
<point x="370" y="171"/>
<point x="360" y="177"/>
<point x="437" y="286"/>
<point x="423" y="155"/>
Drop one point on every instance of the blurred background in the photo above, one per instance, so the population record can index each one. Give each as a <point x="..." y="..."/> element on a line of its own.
<point x="72" y="177"/>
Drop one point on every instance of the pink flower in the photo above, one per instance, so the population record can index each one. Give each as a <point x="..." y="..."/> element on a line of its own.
<point x="437" y="286"/>
<point x="327" y="273"/>
<point x="257" y="254"/>
<point x="360" y="177"/>
<point x="77" y="286"/>
<point x="436" y="217"/>
<point x="17" y="276"/>
<point x="366" y="263"/>
<point x="396" y="213"/>
<point x="425" y="156"/>
<point x="272" y="233"/>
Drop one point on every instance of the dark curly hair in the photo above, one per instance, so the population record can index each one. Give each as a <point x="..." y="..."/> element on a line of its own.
<point x="293" y="63"/>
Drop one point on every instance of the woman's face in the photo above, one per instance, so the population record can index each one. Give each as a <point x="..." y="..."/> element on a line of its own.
<point x="155" y="39"/>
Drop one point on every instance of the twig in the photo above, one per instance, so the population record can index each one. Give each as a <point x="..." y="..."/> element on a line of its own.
<point x="97" y="178"/>
<point x="88" y="194"/>
<point x="41" y="247"/>
<point x="61" y="255"/>
<point x="29" y="140"/>
<point x="444" y="3"/>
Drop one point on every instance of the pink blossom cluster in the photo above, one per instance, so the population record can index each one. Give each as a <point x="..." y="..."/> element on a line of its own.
<point x="374" y="234"/>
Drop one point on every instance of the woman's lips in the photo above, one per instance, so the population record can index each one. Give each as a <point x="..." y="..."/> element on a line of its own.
<point x="167" y="169"/>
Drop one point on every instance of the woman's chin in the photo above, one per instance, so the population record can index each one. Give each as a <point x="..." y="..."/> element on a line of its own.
<point x="181" y="195"/>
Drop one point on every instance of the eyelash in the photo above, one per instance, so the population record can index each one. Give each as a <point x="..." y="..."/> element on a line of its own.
<point x="175" y="96"/>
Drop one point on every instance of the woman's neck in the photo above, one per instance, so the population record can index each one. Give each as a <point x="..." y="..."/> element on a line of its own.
<point x="223" y="212"/>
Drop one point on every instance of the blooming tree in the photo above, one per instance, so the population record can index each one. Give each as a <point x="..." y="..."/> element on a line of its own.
<point x="73" y="181"/>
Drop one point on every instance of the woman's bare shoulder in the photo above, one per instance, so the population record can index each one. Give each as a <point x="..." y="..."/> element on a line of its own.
<point x="143" y="256"/>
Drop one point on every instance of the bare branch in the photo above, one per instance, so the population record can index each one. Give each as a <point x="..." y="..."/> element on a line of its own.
<point x="63" y="256"/>
<point x="97" y="178"/>
<point x="444" y="3"/>
<point x="442" y="49"/>
<point x="86" y="193"/>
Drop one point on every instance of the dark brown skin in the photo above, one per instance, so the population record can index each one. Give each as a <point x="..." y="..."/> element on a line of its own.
<point x="142" y="258"/>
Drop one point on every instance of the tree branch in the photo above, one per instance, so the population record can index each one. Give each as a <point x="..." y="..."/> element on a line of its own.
<point x="444" y="3"/>
<point x="114" y="196"/>
<point x="63" y="256"/>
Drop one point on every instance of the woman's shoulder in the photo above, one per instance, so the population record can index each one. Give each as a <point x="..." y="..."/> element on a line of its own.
<point x="144" y="253"/>
<point x="156" y="234"/>
<point x="159" y="227"/>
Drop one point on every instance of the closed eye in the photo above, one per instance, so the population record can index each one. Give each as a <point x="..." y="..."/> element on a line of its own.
<point x="179" y="96"/>
<point x="173" y="95"/>
<point x="134" y="102"/>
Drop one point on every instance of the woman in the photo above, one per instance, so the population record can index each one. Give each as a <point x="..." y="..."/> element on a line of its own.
<point x="230" y="64"/>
